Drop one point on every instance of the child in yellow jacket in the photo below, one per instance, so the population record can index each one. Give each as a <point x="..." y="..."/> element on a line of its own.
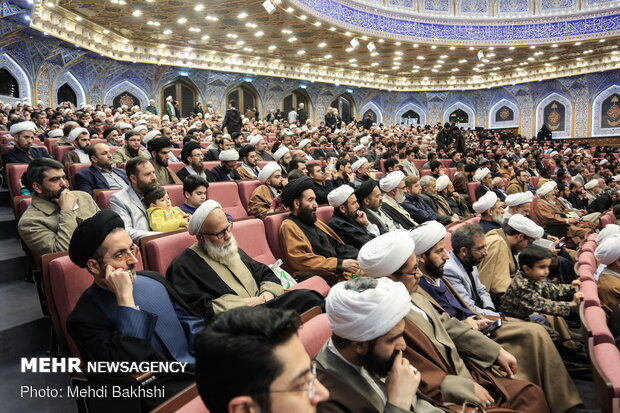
<point x="163" y="217"/>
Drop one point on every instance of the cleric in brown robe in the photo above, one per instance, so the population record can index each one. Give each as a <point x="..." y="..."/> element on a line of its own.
<point x="448" y="375"/>
<point x="215" y="275"/>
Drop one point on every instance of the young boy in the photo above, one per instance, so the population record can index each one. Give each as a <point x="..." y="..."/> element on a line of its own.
<point x="195" y="193"/>
<point x="529" y="292"/>
<point x="163" y="217"/>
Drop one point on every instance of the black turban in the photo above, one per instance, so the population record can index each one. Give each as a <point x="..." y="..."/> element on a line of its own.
<point x="187" y="150"/>
<point x="365" y="189"/>
<point x="471" y="167"/>
<point x="245" y="151"/>
<point x="157" y="144"/>
<point x="293" y="190"/>
<point x="90" y="234"/>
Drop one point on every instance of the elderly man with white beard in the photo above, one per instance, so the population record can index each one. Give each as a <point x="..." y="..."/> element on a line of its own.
<point x="215" y="275"/>
<point x="393" y="188"/>
<point x="491" y="210"/>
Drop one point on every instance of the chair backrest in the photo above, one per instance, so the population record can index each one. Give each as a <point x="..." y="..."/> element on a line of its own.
<point x="50" y="143"/>
<point x="324" y="213"/>
<point x="605" y="360"/>
<point x="447" y="242"/>
<point x="605" y="220"/>
<point x="14" y="172"/>
<point x="533" y="209"/>
<point x="534" y="180"/>
<point x="314" y="334"/>
<point x="419" y="163"/>
<point x="59" y="151"/>
<point x="424" y="172"/>
<point x="251" y="237"/>
<point x="161" y="249"/>
<point x="102" y="197"/>
<point x="451" y="172"/>
<point x="20" y="205"/>
<point x="445" y="162"/>
<point x="272" y="229"/>
<point x="597" y="322"/>
<point x="590" y="293"/>
<point x="176" y="166"/>
<point x="74" y="169"/>
<point x="176" y="194"/>
<point x="245" y="191"/>
<point x="227" y="194"/>
<point x="176" y="152"/>
<point x="471" y="191"/>
<point x="314" y="283"/>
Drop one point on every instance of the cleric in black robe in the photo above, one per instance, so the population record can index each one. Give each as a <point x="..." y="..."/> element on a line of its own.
<point x="151" y="323"/>
<point x="351" y="224"/>
<point x="215" y="275"/>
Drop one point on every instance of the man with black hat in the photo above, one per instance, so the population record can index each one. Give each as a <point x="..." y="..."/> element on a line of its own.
<point x="191" y="155"/>
<point x="370" y="199"/>
<point x="309" y="243"/>
<point x="127" y="315"/>
<point x="249" y="169"/>
<point x="159" y="149"/>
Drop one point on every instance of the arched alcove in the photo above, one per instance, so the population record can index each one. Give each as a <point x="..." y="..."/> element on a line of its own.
<point x="376" y="110"/>
<point x="410" y="107"/>
<point x="245" y="95"/>
<point x="504" y="114"/>
<point x="457" y="111"/>
<point x="183" y="91"/>
<point x="9" y="86"/>
<point x="292" y="101"/>
<point x="606" y="112"/>
<point x="346" y="107"/>
<point x="123" y="87"/>
<point x="71" y="86"/>
<point x="7" y="63"/>
<point x="556" y="111"/>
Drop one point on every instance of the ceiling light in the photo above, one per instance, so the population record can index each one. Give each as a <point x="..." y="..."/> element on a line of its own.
<point x="248" y="49"/>
<point x="182" y="20"/>
<point x="508" y="59"/>
<point x="374" y="64"/>
<point x="578" y="44"/>
<point x="327" y="56"/>
<point x="194" y="29"/>
<point x="199" y="7"/>
<point x="397" y="43"/>
<point x="153" y="23"/>
<point x="317" y="24"/>
<point x="554" y="58"/>
<point x="373" y="54"/>
<point x="347" y="34"/>
<point x="287" y="31"/>
<point x="355" y="43"/>
<point x="272" y="47"/>
<point x="397" y="58"/>
<point x="188" y="49"/>
<point x="491" y="55"/>
<point x="50" y="4"/>
<point x="349" y="49"/>
<point x="303" y="17"/>
<point x="323" y="44"/>
<point x="421" y="57"/>
<point x="205" y="37"/>
<point x="416" y="66"/>
<point x="292" y="39"/>
<point x="456" y="69"/>
<point x="240" y="43"/>
<point x="106" y="31"/>
<point x="398" y="52"/>
<point x="588" y="51"/>
<point x="231" y="36"/>
<point x="433" y="47"/>
<point x="472" y="48"/>
<point x="532" y="47"/>
<point x="79" y="18"/>
<point x="352" y="60"/>
<point x="258" y="34"/>
<point x="554" y="45"/>
<point x="332" y="29"/>
<point x="602" y="40"/>
<point x="531" y="59"/>
<point x="463" y="61"/>
<point x="269" y="6"/>
<point x="371" y="47"/>
<point x="252" y="25"/>
<point x="452" y="48"/>
<point x="167" y="31"/>
<point x="441" y="61"/>
<point x="212" y="18"/>
<point x="434" y="70"/>
<point x="242" y="15"/>
<point x="290" y="10"/>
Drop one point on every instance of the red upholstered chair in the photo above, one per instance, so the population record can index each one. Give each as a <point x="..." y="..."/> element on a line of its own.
<point x="425" y="172"/>
<point x="261" y="164"/>
<point x="315" y="283"/>
<point x="447" y="241"/>
<point x="272" y="229"/>
<point x="419" y="163"/>
<point x="606" y="369"/>
<point x="7" y="148"/>
<point x="451" y="172"/>
<point x="587" y="258"/>
<point x="211" y="164"/>
<point x="606" y="219"/>
<point x="590" y="293"/>
<point x="176" y="166"/>
<point x="324" y="213"/>
<point x="382" y="165"/>
<point x="251" y="237"/>
<point x="74" y="168"/>
<point x="471" y="191"/>
<point x="160" y="250"/>
<point x="102" y="197"/>
<point x="533" y="209"/>
<point x="534" y="180"/>
<point x="60" y="151"/>
<point x="379" y="175"/>
<point x="20" y="205"/>
<point x="176" y="194"/>
<point x="177" y="153"/>
<point x="596" y="320"/>
<point x="245" y="191"/>
<point x="446" y="162"/>
<point x="14" y="172"/>
<point x="467" y="221"/>
<point x="227" y="194"/>
<point x="50" y="143"/>
<point x="314" y="334"/>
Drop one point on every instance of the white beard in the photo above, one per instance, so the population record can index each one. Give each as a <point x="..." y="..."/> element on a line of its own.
<point x="225" y="254"/>
<point x="400" y="197"/>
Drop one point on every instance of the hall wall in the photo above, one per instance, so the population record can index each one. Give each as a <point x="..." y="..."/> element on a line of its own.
<point x="45" y="64"/>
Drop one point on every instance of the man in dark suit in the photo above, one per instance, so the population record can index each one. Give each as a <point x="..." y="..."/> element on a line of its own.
<point x="232" y="119"/>
<point x="100" y="175"/>
<point x="23" y="152"/>
<point x="127" y="315"/>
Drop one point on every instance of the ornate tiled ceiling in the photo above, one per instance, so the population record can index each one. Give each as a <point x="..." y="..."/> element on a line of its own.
<point x="311" y="40"/>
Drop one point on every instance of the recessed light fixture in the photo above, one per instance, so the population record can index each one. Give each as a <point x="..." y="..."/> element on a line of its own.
<point x="578" y="44"/>
<point x="79" y="18"/>
<point x="303" y="17"/>
<point x="420" y="57"/>
<point x="327" y="56"/>
<point x="242" y="15"/>
<point x="332" y="29"/>
<point x="199" y="7"/>
<point x="258" y="34"/>
<point x="205" y="37"/>
<point x="323" y="44"/>
<point x="292" y="39"/>
<point x="182" y="20"/>
<point x="317" y="24"/>
<point x="167" y="31"/>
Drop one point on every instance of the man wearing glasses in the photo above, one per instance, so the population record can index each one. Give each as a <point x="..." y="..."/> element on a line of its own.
<point x="127" y="315"/>
<point x="215" y="275"/>
<point x="251" y="360"/>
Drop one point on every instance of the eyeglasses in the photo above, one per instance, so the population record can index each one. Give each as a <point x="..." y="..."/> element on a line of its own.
<point x="416" y="271"/>
<point x="126" y="254"/>
<point x="308" y="386"/>
<point x="222" y="233"/>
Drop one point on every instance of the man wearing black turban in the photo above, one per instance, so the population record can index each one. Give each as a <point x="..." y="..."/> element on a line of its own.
<point x="127" y="315"/>
<point x="310" y="244"/>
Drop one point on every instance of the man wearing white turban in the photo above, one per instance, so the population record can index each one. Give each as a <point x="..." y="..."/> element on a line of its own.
<point x="485" y="178"/>
<point x="226" y="171"/>
<point x="262" y="154"/>
<point x="80" y="138"/>
<point x="215" y="275"/>
<point x="454" y="200"/>
<point x="23" y="152"/>
<point x="351" y="224"/>
<point x="432" y="336"/>
<point x="491" y="211"/>
<point x="261" y="201"/>
<point x="518" y="203"/>
<point x="608" y="253"/>
<point x="367" y="318"/>
<point x="393" y="188"/>
<point x="361" y="169"/>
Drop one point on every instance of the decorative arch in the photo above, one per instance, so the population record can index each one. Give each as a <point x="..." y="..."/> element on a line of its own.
<point x="182" y="90"/>
<point x="244" y="94"/>
<point x="376" y="109"/>
<point x="69" y="79"/>
<point x="407" y="107"/>
<point x="504" y="114"/>
<point x="465" y="108"/>
<point x="564" y="123"/>
<point x="126" y="86"/>
<point x="606" y="112"/>
<point x="7" y="62"/>
<point x="293" y="98"/>
<point x="345" y="105"/>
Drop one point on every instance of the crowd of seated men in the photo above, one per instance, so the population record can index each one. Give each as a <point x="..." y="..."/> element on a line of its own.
<point x="416" y="290"/>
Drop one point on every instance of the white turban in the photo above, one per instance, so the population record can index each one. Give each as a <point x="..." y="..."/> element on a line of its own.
<point x="385" y="254"/>
<point x="568" y="151"/>
<point x="229" y="155"/>
<point x="150" y="135"/>
<point x="73" y="135"/>
<point x="358" y="148"/>
<point x="124" y="125"/>
<point x="256" y="139"/>
<point x="553" y="153"/>
<point x="593" y="183"/>
<point x="198" y="218"/>
<point x="609" y="230"/>
<point x="521" y="161"/>
<point x="22" y="127"/>
<point x="165" y="117"/>
<point x="367" y="315"/>
<point x="303" y="143"/>
<point x="525" y="226"/>
<point x="140" y="128"/>
<point x="486" y="202"/>
<point x="141" y="122"/>
<point x="519" y="198"/>
<point x="603" y="162"/>
<point x="391" y="181"/>
<point x="481" y="173"/>
<point x="282" y="150"/>
<point x="267" y="171"/>
<point x="609" y="251"/>
<point x="365" y="140"/>
<point x="617" y="178"/>
<point x="442" y="182"/>
<point x="427" y="235"/>
<point x="358" y="164"/>
<point x="339" y="195"/>
<point x="546" y="188"/>
<point x="55" y="133"/>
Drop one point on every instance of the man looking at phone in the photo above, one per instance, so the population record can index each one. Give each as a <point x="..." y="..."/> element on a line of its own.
<point x="55" y="212"/>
